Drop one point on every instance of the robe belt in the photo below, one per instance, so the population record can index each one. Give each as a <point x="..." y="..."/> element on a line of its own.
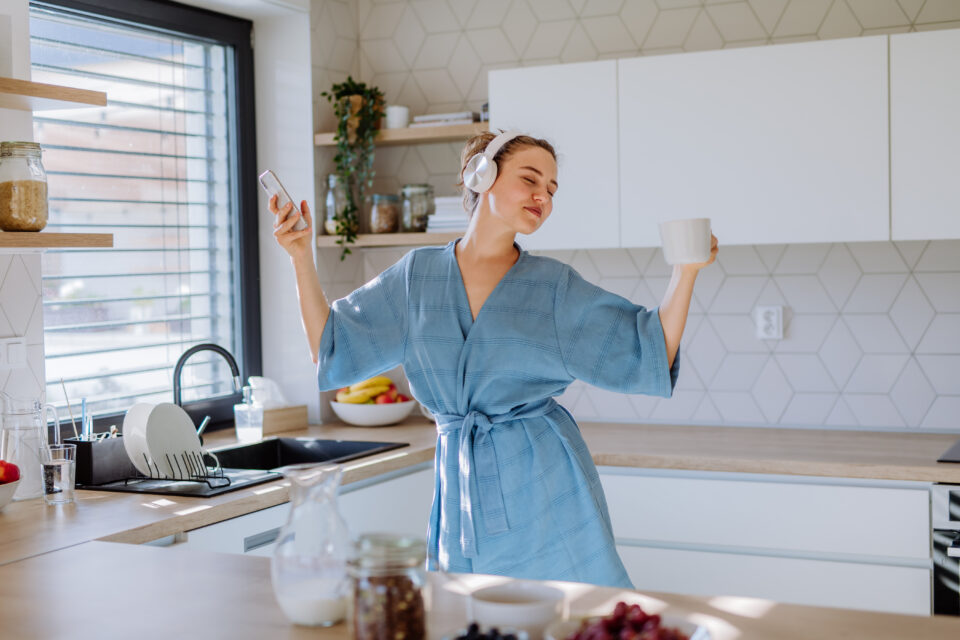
<point x="476" y="451"/>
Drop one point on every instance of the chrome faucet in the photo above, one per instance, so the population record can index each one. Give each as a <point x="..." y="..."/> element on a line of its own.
<point x="207" y="346"/>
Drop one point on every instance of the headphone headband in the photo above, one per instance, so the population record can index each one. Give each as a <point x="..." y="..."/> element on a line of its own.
<point x="497" y="143"/>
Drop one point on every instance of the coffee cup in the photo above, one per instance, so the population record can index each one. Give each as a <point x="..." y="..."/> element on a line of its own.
<point x="398" y="116"/>
<point x="686" y="241"/>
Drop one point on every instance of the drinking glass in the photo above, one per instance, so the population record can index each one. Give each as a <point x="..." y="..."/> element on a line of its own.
<point x="59" y="467"/>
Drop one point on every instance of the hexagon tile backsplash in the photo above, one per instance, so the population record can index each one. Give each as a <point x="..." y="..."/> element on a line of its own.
<point x="21" y="315"/>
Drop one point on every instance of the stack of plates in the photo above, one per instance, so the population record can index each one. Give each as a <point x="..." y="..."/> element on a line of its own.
<point x="449" y="216"/>
<point x="161" y="440"/>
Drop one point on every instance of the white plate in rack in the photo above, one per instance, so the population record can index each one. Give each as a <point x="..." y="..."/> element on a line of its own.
<point x="172" y="442"/>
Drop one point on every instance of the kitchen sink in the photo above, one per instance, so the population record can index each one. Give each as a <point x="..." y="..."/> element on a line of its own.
<point x="272" y="453"/>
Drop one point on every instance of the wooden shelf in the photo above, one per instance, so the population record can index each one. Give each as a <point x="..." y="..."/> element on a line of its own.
<point x="36" y="96"/>
<point x="392" y="239"/>
<point x="47" y="240"/>
<point x="388" y="137"/>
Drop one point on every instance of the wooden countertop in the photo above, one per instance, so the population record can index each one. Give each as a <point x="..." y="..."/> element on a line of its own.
<point x="109" y="590"/>
<point x="29" y="528"/>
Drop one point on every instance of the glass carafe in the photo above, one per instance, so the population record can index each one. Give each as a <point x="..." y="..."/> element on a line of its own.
<point x="309" y="566"/>
<point x="23" y="433"/>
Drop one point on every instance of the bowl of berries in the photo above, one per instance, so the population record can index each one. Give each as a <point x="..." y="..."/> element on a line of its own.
<point x="626" y="622"/>
<point x="9" y="481"/>
<point x="474" y="631"/>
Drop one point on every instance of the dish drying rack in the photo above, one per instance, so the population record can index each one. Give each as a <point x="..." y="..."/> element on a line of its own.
<point x="187" y="466"/>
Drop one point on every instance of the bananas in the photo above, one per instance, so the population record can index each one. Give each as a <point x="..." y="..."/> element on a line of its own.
<point x="361" y="396"/>
<point x="376" y="381"/>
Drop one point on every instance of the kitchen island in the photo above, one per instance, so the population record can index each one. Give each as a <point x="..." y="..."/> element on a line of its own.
<point x="109" y="590"/>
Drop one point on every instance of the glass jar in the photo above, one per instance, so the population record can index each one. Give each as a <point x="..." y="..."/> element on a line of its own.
<point x="385" y="213"/>
<point x="335" y="203"/>
<point x="23" y="187"/>
<point x="309" y="564"/>
<point x="418" y="205"/>
<point x="388" y="576"/>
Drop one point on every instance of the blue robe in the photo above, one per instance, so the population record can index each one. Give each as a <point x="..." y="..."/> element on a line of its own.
<point x="516" y="490"/>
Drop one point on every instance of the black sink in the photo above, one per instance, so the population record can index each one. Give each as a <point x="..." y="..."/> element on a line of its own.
<point x="273" y="453"/>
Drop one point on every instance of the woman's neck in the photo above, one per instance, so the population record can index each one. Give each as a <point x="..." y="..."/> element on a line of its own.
<point x="487" y="238"/>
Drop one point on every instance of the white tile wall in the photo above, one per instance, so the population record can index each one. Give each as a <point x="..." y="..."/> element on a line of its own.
<point x="21" y="316"/>
<point x="872" y="335"/>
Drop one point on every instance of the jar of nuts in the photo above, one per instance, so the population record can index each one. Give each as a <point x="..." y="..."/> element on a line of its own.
<point x="385" y="213"/>
<point x="23" y="187"/>
<point x="388" y="578"/>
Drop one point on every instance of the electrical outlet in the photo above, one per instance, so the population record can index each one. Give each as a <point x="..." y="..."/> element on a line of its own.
<point x="769" y="322"/>
<point x="13" y="353"/>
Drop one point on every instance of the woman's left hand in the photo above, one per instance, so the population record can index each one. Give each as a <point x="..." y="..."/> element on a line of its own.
<point x="714" y="249"/>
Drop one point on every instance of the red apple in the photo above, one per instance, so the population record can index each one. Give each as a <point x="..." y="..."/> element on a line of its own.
<point x="384" y="398"/>
<point x="402" y="398"/>
<point x="9" y="472"/>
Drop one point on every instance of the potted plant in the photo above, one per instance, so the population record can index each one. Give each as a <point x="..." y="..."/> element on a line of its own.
<point x="358" y="109"/>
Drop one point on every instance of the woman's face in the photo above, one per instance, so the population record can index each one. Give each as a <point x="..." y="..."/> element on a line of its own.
<point x="522" y="195"/>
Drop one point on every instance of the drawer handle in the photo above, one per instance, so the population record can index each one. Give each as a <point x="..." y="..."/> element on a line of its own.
<point x="260" y="539"/>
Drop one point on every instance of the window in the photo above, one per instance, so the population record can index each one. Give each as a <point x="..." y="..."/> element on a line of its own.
<point x="159" y="167"/>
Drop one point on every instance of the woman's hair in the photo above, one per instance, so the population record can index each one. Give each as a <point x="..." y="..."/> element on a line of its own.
<point x="478" y="144"/>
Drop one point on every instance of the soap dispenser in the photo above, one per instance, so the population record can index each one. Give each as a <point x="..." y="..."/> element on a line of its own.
<point x="248" y="418"/>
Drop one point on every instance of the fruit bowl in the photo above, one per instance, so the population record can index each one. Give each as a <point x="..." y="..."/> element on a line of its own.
<point x="566" y="628"/>
<point x="6" y="492"/>
<point x="372" y="415"/>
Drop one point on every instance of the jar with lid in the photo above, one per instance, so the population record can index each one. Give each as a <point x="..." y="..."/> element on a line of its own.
<point x="384" y="213"/>
<point x="23" y="187"/>
<point x="334" y="203"/>
<point x="388" y="580"/>
<point x="418" y="205"/>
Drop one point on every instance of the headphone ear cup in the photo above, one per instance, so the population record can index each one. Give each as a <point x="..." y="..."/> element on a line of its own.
<point x="480" y="173"/>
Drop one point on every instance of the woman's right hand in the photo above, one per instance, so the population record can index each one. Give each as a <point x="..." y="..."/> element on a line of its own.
<point x="296" y="243"/>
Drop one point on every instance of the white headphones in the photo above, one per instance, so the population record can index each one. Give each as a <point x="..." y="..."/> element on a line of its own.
<point x="481" y="171"/>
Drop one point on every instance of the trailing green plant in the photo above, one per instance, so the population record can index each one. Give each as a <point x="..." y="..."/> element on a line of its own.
<point x="358" y="109"/>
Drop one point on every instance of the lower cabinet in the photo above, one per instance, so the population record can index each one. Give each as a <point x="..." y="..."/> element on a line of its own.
<point x="398" y="503"/>
<point x="823" y="542"/>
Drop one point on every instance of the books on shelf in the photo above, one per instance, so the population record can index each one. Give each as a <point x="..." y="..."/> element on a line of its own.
<point x="469" y="116"/>
<point x="439" y="123"/>
<point x="449" y="215"/>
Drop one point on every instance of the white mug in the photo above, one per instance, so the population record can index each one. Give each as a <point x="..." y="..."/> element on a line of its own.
<point x="398" y="116"/>
<point x="686" y="241"/>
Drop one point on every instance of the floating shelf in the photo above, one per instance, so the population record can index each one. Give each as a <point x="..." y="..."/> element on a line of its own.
<point x="392" y="239"/>
<point x="46" y="240"/>
<point x="36" y="96"/>
<point x="388" y="137"/>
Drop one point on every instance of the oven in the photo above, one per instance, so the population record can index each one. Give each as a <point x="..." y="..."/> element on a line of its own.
<point x="945" y="512"/>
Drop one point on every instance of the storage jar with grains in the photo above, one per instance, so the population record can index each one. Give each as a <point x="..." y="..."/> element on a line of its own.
<point x="388" y="576"/>
<point x="23" y="187"/>
<point x="385" y="213"/>
<point x="418" y="205"/>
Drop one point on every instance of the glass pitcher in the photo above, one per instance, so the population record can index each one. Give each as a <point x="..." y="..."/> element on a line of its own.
<point x="309" y="566"/>
<point x="23" y="432"/>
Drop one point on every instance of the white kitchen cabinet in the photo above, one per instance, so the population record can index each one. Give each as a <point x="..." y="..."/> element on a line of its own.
<point x="777" y="144"/>
<point x="398" y="502"/>
<point x="574" y="106"/>
<point x="824" y="542"/>
<point x="925" y="135"/>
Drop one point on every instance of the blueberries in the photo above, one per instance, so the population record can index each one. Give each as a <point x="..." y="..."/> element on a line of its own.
<point x="474" y="632"/>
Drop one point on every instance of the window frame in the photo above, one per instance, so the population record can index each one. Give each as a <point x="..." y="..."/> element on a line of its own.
<point x="236" y="34"/>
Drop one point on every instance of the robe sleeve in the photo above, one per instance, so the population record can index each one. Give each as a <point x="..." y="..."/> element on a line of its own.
<point x="366" y="331"/>
<point x="609" y="342"/>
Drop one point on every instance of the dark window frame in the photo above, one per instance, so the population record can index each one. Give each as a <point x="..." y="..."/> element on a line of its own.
<point x="236" y="35"/>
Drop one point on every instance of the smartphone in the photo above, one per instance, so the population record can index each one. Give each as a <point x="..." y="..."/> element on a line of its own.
<point x="271" y="184"/>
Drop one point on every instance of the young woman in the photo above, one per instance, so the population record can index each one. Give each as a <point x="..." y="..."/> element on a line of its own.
<point x="487" y="335"/>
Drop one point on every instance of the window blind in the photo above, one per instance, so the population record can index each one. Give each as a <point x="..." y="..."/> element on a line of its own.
<point x="156" y="168"/>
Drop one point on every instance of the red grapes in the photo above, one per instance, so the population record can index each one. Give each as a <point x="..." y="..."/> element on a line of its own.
<point x="627" y="622"/>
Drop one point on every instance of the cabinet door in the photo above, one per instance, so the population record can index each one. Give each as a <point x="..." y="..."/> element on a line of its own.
<point x="777" y="144"/>
<point x="925" y="135"/>
<point x="573" y="106"/>
<point x="397" y="505"/>
<point x="821" y="583"/>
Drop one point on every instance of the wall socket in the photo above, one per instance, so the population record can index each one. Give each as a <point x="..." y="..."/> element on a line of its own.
<point x="13" y="353"/>
<point x="769" y="322"/>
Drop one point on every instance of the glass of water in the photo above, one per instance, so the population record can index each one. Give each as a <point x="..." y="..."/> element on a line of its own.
<point x="59" y="468"/>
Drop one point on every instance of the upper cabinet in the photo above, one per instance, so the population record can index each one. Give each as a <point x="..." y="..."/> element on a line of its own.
<point x="925" y="135"/>
<point x="777" y="144"/>
<point x="574" y="106"/>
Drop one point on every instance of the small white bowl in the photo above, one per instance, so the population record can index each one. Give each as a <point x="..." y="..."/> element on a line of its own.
<point x="563" y="629"/>
<point x="6" y="492"/>
<point x="530" y="606"/>
<point x="372" y="415"/>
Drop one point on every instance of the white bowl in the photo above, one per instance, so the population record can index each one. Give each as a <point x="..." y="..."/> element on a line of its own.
<point x="530" y="606"/>
<point x="6" y="492"/>
<point x="372" y="415"/>
<point x="561" y="630"/>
